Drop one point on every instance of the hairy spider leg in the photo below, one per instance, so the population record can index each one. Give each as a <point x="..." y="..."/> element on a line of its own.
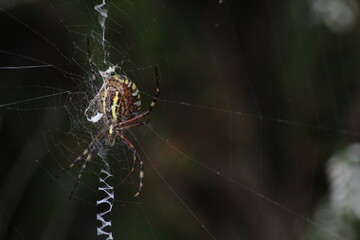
<point x="152" y="104"/>
<point x="129" y="144"/>
<point x="134" y="162"/>
<point x="83" y="167"/>
<point x="92" y="66"/>
<point x="88" y="150"/>
<point x="88" y="153"/>
<point x="137" y="157"/>
<point x="64" y="170"/>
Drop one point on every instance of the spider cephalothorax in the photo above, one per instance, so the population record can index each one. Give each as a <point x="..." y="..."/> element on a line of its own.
<point x="117" y="104"/>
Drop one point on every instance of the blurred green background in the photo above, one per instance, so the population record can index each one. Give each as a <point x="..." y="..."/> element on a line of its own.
<point x="256" y="97"/>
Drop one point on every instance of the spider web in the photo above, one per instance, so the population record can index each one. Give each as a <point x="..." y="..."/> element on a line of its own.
<point x="254" y="135"/>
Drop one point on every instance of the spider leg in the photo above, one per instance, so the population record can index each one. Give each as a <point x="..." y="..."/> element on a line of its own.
<point x="134" y="162"/>
<point x="88" y="150"/>
<point x="88" y="153"/>
<point x="76" y="161"/>
<point x="93" y="75"/>
<point x="136" y="124"/>
<point x="131" y="170"/>
<point x="152" y="104"/>
<point x="136" y="157"/>
<point x="83" y="167"/>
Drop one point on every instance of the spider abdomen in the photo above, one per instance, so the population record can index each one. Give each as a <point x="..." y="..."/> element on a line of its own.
<point x="120" y="99"/>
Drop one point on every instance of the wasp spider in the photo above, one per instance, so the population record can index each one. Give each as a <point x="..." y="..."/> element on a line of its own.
<point x="118" y="104"/>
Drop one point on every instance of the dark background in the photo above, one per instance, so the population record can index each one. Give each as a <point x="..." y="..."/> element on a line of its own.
<point x="256" y="97"/>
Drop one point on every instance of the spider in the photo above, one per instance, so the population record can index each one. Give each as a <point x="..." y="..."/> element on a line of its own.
<point x="118" y="104"/>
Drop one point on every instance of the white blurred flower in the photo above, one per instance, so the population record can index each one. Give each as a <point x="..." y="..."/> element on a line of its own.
<point x="338" y="15"/>
<point x="344" y="176"/>
<point x="338" y="212"/>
